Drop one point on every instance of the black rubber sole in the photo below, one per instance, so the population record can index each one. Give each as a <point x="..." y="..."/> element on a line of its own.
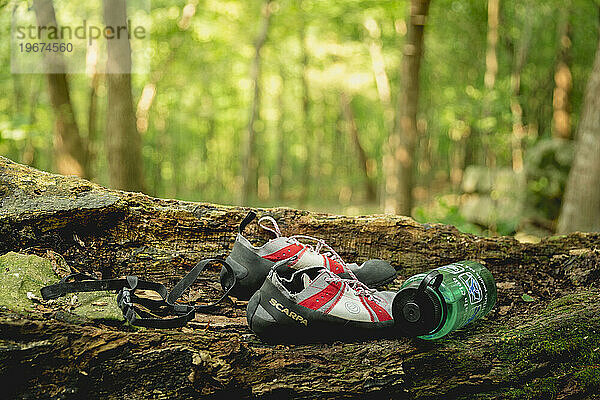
<point x="383" y="283"/>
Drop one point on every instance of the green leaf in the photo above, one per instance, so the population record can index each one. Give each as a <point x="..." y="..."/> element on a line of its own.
<point x="527" y="298"/>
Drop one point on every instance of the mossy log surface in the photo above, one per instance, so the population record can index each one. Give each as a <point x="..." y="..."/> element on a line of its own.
<point x="542" y="340"/>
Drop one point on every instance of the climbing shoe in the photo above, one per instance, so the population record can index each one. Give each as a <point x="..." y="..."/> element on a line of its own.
<point x="252" y="264"/>
<point x="317" y="304"/>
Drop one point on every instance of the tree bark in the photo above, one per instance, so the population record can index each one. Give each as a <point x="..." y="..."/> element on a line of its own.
<point x="581" y="203"/>
<point x="541" y="349"/>
<point x="250" y="160"/>
<point x="123" y="142"/>
<point x="404" y="140"/>
<point x="69" y="150"/>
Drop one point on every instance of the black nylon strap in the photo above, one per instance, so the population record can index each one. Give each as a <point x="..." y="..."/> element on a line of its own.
<point x="164" y="313"/>
<point x="191" y="277"/>
<point x="178" y="315"/>
<point x="80" y="283"/>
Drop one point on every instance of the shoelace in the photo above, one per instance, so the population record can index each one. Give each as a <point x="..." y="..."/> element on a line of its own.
<point x="354" y="284"/>
<point x="320" y="243"/>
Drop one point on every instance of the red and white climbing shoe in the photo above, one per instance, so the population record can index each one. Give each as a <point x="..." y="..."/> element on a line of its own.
<point x="316" y="304"/>
<point x="252" y="264"/>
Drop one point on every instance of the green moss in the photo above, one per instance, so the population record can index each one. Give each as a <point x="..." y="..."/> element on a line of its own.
<point x="565" y="301"/>
<point x="589" y="377"/>
<point x="562" y="345"/>
<point x="96" y="305"/>
<point x="541" y="389"/>
<point x="22" y="274"/>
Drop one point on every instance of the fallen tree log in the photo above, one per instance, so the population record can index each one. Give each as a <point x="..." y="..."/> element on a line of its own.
<point x="542" y="340"/>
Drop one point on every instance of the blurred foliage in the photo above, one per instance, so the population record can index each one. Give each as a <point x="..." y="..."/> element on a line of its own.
<point x="196" y="124"/>
<point x="548" y="164"/>
<point x="444" y="212"/>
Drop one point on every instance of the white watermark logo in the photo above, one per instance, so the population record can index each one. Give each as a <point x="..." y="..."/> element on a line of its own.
<point x="65" y="36"/>
<point x="83" y="31"/>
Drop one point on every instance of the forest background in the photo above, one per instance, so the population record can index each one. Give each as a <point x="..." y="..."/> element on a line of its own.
<point x="480" y="114"/>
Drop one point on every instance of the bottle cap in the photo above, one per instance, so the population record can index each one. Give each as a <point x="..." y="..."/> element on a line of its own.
<point x="417" y="310"/>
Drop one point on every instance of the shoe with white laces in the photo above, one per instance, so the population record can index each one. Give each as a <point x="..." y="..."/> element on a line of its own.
<point x="316" y="304"/>
<point x="252" y="264"/>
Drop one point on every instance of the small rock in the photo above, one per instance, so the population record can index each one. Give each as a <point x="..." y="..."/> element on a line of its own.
<point x="504" y="310"/>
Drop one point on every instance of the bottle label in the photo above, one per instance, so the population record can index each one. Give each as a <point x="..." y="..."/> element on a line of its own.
<point x="452" y="268"/>
<point x="475" y="312"/>
<point x="473" y="287"/>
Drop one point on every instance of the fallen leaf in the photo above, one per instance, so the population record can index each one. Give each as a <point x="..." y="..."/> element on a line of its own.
<point x="527" y="298"/>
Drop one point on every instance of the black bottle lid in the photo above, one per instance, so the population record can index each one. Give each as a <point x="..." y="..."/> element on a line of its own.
<point x="418" y="310"/>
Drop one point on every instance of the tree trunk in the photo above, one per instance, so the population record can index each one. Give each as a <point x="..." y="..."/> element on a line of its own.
<point x="382" y="83"/>
<point x="123" y="142"/>
<point x="540" y="349"/>
<point x="404" y="140"/>
<point x="491" y="60"/>
<point x="477" y="145"/>
<point x="93" y="118"/>
<point x="29" y="152"/>
<point x="307" y="126"/>
<point x="279" y="180"/>
<point x="545" y="348"/>
<point x="489" y="80"/>
<point x="363" y="160"/>
<point x="69" y="149"/>
<point x="561" y="116"/>
<point x="250" y="160"/>
<point x="520" y="52"/>
<point x="581" y="202"/>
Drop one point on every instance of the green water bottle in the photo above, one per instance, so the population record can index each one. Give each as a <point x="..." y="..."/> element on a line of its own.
<point x="432" y="304"/>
